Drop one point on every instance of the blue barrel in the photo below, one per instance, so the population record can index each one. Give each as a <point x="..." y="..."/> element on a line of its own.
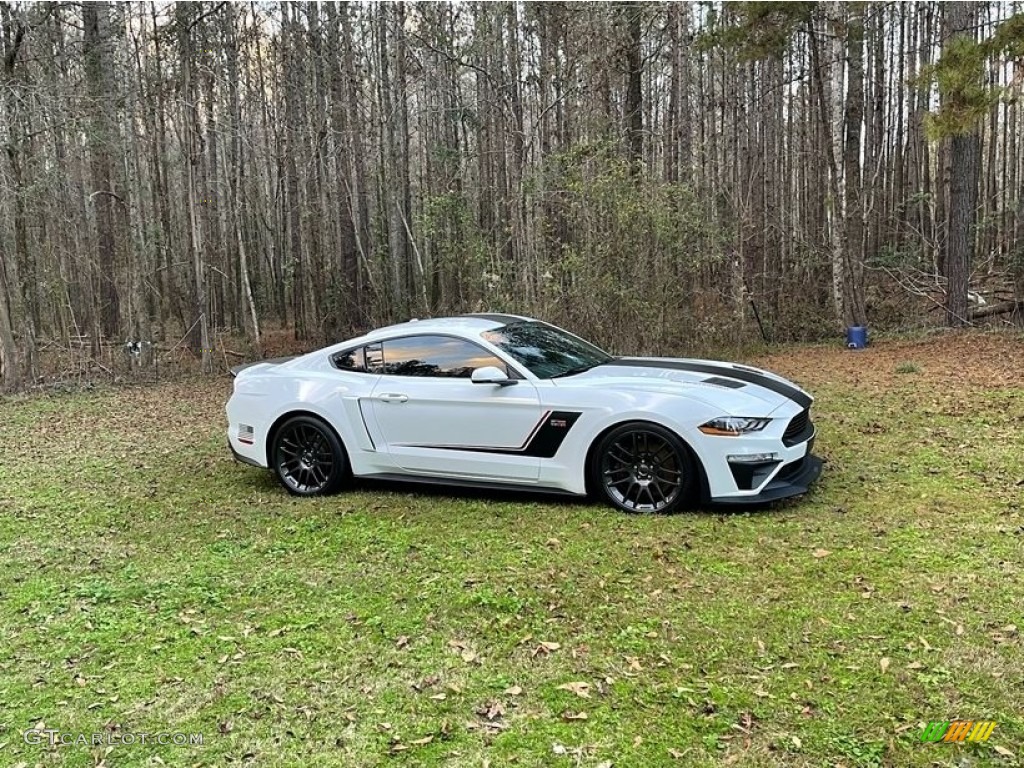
<point x="856" y="337"/>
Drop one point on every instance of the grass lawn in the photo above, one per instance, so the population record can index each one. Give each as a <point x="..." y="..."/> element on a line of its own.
<point x="148" y="583"/>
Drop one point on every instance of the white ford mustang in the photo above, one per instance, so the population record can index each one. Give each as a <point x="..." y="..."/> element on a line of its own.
<point x="494" y="400"/>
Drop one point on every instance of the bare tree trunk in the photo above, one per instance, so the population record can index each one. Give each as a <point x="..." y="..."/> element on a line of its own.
<point x="193" y="146"/>
<point x="634" y="111"/>
<point x="965" y="171"/>
<point x="8" y="351"/>
<point x="102" y="139"/>
<point x="853" y="246"/>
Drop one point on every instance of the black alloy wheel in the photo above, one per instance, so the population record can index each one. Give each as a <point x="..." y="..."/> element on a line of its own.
<point x="643" y="467"/>
<point x="308" y="457"/>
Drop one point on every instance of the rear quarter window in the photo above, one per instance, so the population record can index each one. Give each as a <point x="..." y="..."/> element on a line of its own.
<point x="350" y="360"/>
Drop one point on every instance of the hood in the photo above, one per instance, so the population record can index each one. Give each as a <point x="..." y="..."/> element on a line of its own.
<point x="738" y="389"/>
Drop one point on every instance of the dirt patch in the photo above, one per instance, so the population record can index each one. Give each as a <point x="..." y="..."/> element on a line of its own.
<point x="961" y="361"/>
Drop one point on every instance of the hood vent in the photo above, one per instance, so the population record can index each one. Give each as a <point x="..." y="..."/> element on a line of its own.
<point x="718" y="381"/>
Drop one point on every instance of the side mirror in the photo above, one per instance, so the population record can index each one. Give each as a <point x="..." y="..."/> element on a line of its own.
<point x="490" y="374"/>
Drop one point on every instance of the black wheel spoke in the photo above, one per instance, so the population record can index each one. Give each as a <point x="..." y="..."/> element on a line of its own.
<point x="657" y="486"/>
<point x="619" y="453"/>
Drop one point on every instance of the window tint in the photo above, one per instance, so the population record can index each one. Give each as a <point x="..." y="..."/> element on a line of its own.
<point x="436" y="356"/>
<point x="350" y="360"/>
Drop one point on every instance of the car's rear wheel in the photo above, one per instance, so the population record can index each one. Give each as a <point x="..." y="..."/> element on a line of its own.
<point x="642" y="467"/>
<point x="309" y="459"/>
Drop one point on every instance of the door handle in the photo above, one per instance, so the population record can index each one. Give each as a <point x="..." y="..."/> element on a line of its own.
<point x="392" y="398"/>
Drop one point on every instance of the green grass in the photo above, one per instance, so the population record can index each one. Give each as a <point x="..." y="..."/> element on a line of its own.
<point x="908" y="366"/>
<point x="150" y="584"/>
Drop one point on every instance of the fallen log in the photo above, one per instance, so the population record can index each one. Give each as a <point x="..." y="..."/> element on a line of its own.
<point x="1002" y="308"/>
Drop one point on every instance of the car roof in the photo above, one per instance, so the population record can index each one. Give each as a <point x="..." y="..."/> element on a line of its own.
<point x="463" y="325"/>
<point x="438" y="324"/>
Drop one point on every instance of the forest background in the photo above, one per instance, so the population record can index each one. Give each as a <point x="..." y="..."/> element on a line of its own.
<point x="180" y="181"/>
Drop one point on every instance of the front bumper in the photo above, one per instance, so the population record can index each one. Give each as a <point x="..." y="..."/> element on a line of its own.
<point x="793" y="479"/>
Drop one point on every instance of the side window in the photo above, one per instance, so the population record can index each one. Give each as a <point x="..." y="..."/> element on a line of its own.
<point x="436" y="356"/>
<point x="351" y="360"/>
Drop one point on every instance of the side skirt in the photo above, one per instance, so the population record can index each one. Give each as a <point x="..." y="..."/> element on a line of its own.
<point x="460" y="483"/>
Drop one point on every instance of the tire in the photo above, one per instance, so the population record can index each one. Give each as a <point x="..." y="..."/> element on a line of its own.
<point x="308" y="458"/>
<point x="641" y="467"/>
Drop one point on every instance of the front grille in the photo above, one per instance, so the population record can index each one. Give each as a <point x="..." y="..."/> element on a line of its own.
<point x="799" y="428"/>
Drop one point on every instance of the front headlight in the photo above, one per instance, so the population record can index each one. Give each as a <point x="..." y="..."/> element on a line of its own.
<point x="733" y="426"/>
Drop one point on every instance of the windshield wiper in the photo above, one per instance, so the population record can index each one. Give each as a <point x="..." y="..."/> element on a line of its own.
<point x="574" y="371"/>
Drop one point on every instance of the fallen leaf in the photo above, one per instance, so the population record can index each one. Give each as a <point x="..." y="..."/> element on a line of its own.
<point x="675" y="753"/>
<point x="1003" y="751"/>
<point x="884" y="663"/>
<point x="574" y="715"/>
<point x="515" y="690"/>
<point x="492" y="710"/>
<point x="402" y="641"/>
<point x="797" y="743"/>
<point x="580" y="689"/>
<point x="422" y="742"/>
<point x="819" y="553"/>
<point x="545" y="648"/>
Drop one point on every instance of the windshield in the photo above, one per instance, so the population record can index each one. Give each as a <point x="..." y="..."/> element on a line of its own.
<point x="547" y="351"/>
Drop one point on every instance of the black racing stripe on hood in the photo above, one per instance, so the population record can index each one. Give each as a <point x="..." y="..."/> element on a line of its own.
<point x="748" y="376"/>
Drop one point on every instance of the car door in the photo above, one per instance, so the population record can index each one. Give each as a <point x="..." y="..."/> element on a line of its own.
<point x="435" y="421"/>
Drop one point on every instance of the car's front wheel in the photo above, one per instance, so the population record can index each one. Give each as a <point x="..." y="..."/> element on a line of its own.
<point x="642" y="467"/>
<point x="309" y="459"/>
